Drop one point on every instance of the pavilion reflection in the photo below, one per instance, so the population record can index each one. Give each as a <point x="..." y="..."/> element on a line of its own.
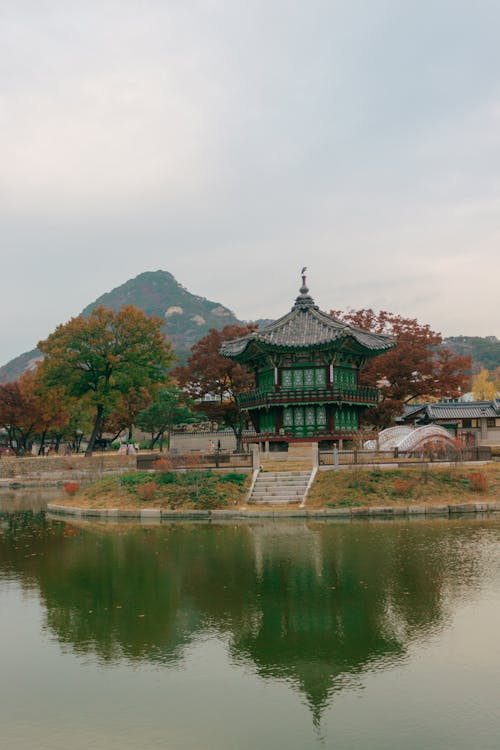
<point x="315" y="604"/>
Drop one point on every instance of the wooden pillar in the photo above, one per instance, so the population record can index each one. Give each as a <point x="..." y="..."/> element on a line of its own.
<point x="330" y="418"/>
<point x="279" y="418"/>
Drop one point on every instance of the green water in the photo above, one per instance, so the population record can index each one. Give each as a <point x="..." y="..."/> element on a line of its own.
<point x="253" y="635"/>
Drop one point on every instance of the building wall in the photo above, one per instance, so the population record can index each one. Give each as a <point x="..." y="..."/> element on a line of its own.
<point x="185" y="442"/>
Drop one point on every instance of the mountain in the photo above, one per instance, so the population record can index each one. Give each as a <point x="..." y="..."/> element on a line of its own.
<point x="186" y="317"/>
<point x="484" y="350"/>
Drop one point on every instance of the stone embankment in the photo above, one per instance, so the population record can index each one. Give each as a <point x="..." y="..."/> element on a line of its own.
<point x="157" y="514"/>
<point x="55" y="470"/>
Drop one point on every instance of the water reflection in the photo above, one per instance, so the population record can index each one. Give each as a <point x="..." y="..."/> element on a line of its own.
<point x="27" y="498"/>
<point x="314" y="604"/>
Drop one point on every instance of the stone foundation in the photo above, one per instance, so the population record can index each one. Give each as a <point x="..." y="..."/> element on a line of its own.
<point x="55" y="469"/>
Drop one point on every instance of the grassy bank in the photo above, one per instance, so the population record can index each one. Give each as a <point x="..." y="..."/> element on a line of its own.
<point x="391" y="487"/>
<point x="347" y="488"/>
<point x="167" y="489"/>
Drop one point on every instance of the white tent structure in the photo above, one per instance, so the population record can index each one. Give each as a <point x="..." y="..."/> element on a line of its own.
<point x="411" y="439"/>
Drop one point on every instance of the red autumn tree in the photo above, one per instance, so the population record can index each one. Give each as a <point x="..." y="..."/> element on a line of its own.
<point x="208" y="373"/>
<point x="417" y="368"/>
<point x="20" y="412"/>
<point x="29" y="411"/>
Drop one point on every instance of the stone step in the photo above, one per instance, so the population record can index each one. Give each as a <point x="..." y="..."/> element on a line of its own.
<point x="274" y="485"/>
<point x="280" y="501"/>
<point x="292" y="483"/>
<point x="278" y="492"/>
<point x="283" y="474"/>
<point x="282" y="477"/>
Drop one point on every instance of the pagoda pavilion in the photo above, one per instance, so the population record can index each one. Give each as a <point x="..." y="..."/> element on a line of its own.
<point x="306" y="367"/>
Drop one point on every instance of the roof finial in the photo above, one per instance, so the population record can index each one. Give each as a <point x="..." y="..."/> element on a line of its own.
<point x="304" y="289"/>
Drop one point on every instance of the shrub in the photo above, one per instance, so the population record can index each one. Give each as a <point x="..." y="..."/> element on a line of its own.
<point x="478" y="482"/>
<point x="234" y="477"/>
<point x="146" y="491"/>
<point x="71" y="488"/>
<point x="163" y="464"/>
<point x="168" y="477"/>
<point x="131" y="481"/>
<point x="402" y="487"/>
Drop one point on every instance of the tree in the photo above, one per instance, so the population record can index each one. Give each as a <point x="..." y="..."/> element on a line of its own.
<point x="208" y="373"/>
<point x="483" y="387"/>
<point x="127" y="407"/>
<point x="55" y="408"/>
<point x="417" y="368"/>
<point x="103" y="356"/>
<point x="171" y="407"/>
<point x="21" y="412"/>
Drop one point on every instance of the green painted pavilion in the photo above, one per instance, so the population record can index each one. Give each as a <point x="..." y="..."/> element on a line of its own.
<point x="306" y="367"/>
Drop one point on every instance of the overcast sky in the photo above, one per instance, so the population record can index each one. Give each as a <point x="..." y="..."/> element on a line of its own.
<point x="230" y="142"/>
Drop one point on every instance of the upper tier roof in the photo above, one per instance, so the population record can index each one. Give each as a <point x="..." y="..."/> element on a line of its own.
<point x="306" y="326"/>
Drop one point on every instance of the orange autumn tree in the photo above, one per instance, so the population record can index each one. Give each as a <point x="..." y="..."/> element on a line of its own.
<point x="55" y="408"/>
<point x="208" y="373"/>
<point x="417" y="368"/>
<point x="24" y="413"/>
<point x="103" y="356"/>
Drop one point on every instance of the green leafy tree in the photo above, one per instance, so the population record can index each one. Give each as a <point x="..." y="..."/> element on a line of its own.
<point x="105" y="355"/>
<point x="171" y="407"/>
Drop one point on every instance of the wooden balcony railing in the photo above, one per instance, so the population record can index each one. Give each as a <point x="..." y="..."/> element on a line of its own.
<point x="355" y="394"/>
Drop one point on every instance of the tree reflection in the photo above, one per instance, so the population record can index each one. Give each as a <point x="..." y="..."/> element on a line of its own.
<point x="314" y="604"/>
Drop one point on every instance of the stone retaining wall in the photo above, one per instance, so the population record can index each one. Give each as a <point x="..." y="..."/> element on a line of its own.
<point x="63" y="467"/>
<point x="148" y="514"/>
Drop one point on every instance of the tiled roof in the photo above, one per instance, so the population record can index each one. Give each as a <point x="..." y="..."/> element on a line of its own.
<point x="306" y="326"/>
<point x="470" y="410"/>
<point x="455" y="410"/>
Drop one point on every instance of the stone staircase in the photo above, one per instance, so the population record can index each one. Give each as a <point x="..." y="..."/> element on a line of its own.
<point x="279" y="487"/>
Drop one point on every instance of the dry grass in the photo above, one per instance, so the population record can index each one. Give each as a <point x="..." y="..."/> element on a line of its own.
<point x="168" y="490"/>
<point x="391" y="487"/>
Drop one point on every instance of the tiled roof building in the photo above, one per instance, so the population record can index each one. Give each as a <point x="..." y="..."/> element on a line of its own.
<point x="306" y="365"/>
<point x="479" y="420"/>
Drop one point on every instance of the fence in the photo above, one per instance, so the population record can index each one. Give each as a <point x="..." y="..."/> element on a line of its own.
<point x="194" y="460"/>
<point x="360" y="457"/>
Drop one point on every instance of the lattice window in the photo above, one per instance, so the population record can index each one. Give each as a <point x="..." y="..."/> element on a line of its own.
<point x="321" y="416"/>
<point x="287" y="417"/>
<point x="309" y="378"/>
<point x="298" y="378"/>
<point x="298" y="416"/>
<point x="310" y="416"/>
<point x="286" y="378"/>
<point x="321" y="378"/>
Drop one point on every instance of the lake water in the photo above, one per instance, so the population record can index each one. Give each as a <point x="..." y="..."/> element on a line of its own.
<point x="365" y="635"/>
